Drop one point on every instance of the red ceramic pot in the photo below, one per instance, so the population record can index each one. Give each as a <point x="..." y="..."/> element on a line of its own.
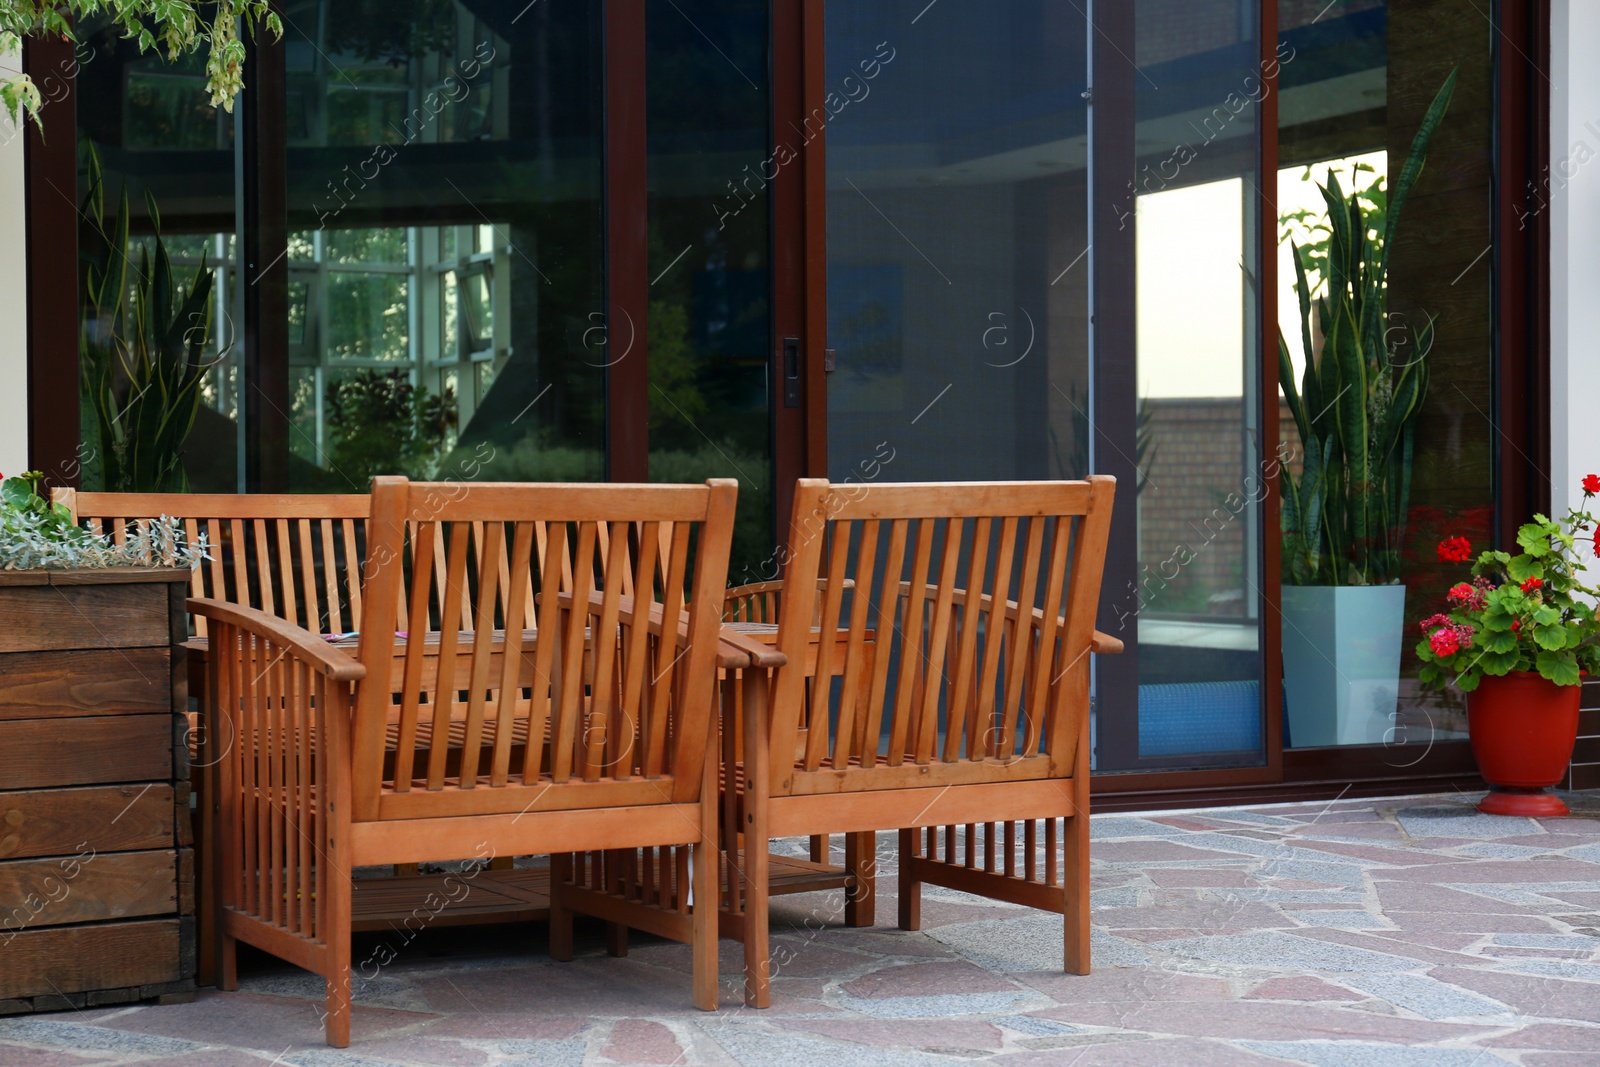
<point x="1522" y="727"/>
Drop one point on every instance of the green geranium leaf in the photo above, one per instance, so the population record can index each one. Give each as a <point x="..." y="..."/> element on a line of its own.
<point x="1559" y="667"/>
<point x="1499" y="641"/>
<point x="1546" y="615"/>
<point x="1534" y="539"/>
<point x="1468" y="682"/>
<point x="1502" y="557"/>
<point x="1551" y="637"/>
<point x="1498" y="663"/>
<point x="1521" y="568"/>
<point x="1497" y="618"/>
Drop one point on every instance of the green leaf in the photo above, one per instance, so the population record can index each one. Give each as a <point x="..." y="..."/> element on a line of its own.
<point x="1468" y="681"/>
<point x="1559" y="667"/>
<point x="1534" y="539"/>
<point x="17" y="493"/>
<point x="1498" y="663"/>
<point x="1521" y="568"/>
<point x="1551" y="637"/>
<point x="1499" y="641"/>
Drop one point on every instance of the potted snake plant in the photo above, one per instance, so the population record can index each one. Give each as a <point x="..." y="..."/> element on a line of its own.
<point x="1344" y="512"/>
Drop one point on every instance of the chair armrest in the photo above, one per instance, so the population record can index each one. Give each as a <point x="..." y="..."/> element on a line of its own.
<point x="330" y="660"/>
<point x="735" y="651"/>
<point x="759" y="654"/>
<point x="1104" y="644"/>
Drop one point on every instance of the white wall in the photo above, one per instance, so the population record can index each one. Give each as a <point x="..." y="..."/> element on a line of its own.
<point x="13" y="295"/>
<point x="1574" y="205"/>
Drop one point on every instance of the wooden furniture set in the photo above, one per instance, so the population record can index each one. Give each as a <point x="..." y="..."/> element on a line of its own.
<point x="558" y="670"/>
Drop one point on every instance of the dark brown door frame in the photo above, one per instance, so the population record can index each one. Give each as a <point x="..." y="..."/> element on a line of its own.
<point x="627" y="279"/>
<point x="50" y="182"/>
<point x="262" y="214"/>
<point x="799" y="288"/>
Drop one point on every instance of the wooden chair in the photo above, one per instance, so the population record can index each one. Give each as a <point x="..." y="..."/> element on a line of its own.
<point x="936" y="643"/>
<point x="575" y="724"/>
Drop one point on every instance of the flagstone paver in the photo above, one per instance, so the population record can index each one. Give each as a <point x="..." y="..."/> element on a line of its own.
<point x="1408" y="932"/>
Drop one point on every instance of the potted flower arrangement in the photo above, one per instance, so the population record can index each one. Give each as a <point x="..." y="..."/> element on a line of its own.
<point x="1517" y="639"/>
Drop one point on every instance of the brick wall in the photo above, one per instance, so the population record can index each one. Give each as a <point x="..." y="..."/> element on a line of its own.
<point x="1199" y="458"/>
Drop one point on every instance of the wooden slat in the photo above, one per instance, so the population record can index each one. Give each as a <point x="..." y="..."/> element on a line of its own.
<point x="39" y="685"/>
<point x="80" y="958"/>
<point x="488" y="591"/>
<point x="913" y="660"/>
<point x="568" y="709"/>
<point x="87" y="886"/>
<point x="330" y="577"/>
<point x="444" y="691"/>
<point x="961" y="715"/>
<point x="510" y="688"/>
<point x="39" y="753"/>
<point x="59" y="617"/>
<point x="546" y="682"/>
<point x="106" y="818"/>
<point x="422" y="547"/>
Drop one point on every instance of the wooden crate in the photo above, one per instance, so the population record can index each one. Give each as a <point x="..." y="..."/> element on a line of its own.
<point x="96" y="857"/>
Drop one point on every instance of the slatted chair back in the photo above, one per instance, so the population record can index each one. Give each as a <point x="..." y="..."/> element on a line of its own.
<point x="560" y="582"/>
<point x="951" y="625"/>
<point x="294" y="556"/>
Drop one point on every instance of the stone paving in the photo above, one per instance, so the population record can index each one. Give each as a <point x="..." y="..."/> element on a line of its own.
<point x="1382" y="933"/>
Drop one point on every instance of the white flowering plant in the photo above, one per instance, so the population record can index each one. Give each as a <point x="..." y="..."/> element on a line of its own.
<point x="36" y="532"/>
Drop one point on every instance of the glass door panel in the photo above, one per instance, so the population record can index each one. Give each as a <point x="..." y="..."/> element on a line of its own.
<point x="1189" y="73"/>
<point x="710" y="332"/>
<point x="445" y="251"/>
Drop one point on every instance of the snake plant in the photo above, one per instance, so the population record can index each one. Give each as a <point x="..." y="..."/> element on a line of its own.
<point x="141" y="348"/>
<point x="1344" y="515"/>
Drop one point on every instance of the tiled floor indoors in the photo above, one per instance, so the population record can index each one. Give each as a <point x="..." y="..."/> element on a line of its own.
<point x="1373" y="933"/>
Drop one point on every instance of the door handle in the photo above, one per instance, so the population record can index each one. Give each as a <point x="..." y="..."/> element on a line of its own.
<point x="791" y="372"/>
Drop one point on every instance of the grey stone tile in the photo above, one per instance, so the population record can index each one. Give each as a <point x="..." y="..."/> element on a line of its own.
<point x="1588" y="853"/>
<point x="1460" y="820"/>
<point x="1340" y="919"/>
<point x="1027" y="1024"/>
<point x="1499" y="851"/>
<point x="1360" y="1054"/>
<point x="1032" y="941"/>
<point x="541" y="1053"/>
<point x="1286" y="951"/>
<point x="1126" y="896"/>
<point x="1577" y="941"/>
<point x="758" y="1048"/>
<point x="1113" y="827"/>
<point x="944" y="1006"/>
<point x="1427" y="997"/>
<point x="76" y="1036"/>
<point x="1268" y="895"/>
<point x="1579" y="969"/>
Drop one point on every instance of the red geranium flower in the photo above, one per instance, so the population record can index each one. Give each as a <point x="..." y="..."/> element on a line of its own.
<point x="1597" y="539"/>
<point x="1460" y="592"/>
<point x="1591" y="484"/>
<point x="1516" y="624"/>
<point x="1444" y="642"/>
<point x="1531" y="584"/>
<point x="1459" y="550"/>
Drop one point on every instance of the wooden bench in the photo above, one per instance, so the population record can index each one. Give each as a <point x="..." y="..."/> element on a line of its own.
<point x="299" y="557"/>
<point x="313" y="787"/>
<point x="916" y="695"/>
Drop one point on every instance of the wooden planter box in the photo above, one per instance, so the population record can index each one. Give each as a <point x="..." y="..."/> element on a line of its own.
<point x="96" y="863"/>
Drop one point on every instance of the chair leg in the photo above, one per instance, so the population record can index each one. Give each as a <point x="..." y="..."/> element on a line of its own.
<point x="819" y="848"/>
<point x="705" y="923"/>
<point x="341" y="892"/>
<point x="336" y="1027"/>
<point x="227" y="963"/>
<point x="757" y="944"/>
<point x="616" y="940"/>
<point x="1075" y="918"/>
<point x="860" y="860"/>
<point x="560" y="914"/>
<point x="910" y="888"/>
